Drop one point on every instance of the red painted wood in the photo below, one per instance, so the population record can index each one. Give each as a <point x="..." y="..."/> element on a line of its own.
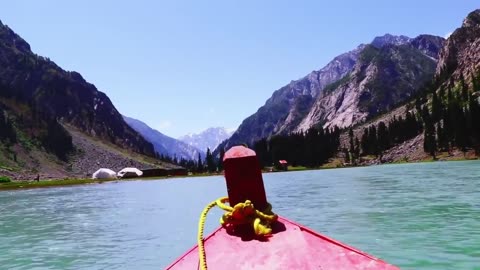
<point x="291" y="247"/>
<point x="244" y="177"/>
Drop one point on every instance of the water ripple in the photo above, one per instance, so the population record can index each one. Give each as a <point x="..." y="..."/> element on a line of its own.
<point x="417" y="216"/>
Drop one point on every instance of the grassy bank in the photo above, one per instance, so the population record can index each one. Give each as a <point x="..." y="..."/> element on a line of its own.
<point x="48" y="183"/>
<point x="71" y="182"/>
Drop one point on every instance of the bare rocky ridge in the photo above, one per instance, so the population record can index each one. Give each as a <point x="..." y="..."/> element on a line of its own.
<point x="318" y="80"/>
<point x="461" y="54"/>
<point x="389" y="39"/>
<point x="429" y="45"/>
<point x="381" y="79"/>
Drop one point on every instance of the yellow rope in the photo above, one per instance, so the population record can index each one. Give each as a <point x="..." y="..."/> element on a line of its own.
<point x="201" y="248"/>
<point x="241" y="213"/>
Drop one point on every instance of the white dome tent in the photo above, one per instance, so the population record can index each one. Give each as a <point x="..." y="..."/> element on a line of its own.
<point x="129" y="173"/>
<point x="104" y="173"/>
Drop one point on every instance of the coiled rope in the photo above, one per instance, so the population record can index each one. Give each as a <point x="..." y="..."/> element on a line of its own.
<point x="241" y="213"/>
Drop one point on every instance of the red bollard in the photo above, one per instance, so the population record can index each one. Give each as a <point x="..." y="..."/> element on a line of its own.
<point x="244" y="177"/>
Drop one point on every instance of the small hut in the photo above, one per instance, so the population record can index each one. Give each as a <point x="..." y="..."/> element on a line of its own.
<point x="282" y="165"/>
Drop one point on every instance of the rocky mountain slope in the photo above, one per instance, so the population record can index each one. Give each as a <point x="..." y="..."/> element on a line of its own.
<point x="165" y="145"/>
<point x="384" y="76"/>
<point x="287" y="106"/>
<point x="40" y="105"/>
<point x="207" y="139"/>
<point x="356" y="85"/>
<point x="23" y="163"/>
<point x="55" y="93"/>
<point x="458" y="64"/>
<point x="460" y="57"/>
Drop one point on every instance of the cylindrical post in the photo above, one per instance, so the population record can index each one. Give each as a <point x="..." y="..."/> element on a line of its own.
<point x="244" y="177"/>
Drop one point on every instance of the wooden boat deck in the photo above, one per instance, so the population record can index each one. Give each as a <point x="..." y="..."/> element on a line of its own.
<point x="292" y="246"/>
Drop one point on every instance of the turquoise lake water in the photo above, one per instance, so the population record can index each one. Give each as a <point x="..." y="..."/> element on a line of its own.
<point x="416" y="216"/>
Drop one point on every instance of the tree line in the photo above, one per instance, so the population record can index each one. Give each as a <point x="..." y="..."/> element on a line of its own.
<point x="378" y="138"/>
<point x="7" y="131"/>
<point x="448" y="118"/>
<point x="453" y="118"/>
<point x="208" y="164"/>
<point x="311" y="149"/>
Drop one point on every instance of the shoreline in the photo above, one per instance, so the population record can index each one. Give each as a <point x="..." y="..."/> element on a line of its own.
<point x="20" y="185"/>
<point x="51" y="183"/>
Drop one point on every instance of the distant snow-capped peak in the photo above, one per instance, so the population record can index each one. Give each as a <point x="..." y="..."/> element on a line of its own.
<point x="209" y="138"/>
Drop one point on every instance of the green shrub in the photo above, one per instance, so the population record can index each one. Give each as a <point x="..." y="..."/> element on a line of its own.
<point x="4" y="179"/>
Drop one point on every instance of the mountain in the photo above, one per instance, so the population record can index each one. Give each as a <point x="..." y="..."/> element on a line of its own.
<point x="384" y="76"/>
<point x="209" y="138"/>
<point x="448" y="108"/>
<point x="389" y="39"/>
<point x="163" y="144"/>
<point x="52" y="117"/>
<point x="405" y="100"/>
<point x="56" y="93"/>
<point x="366" y="81"/>
<point x="460" y="57"/>
<point x="288" y="105"/>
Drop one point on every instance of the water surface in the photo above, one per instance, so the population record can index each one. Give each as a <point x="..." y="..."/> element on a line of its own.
<point x="417" y="216"/>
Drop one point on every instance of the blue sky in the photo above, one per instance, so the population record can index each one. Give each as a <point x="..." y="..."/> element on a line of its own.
<point x="184" y="66"/>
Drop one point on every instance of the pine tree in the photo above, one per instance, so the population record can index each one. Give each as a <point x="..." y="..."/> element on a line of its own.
<point x="357" y="149"/>
<point x="209" y="160"/>
<point x="364" y="142"/>
<point x="346" y="153"/>
<point x="175" y="160"/>
<point x="383" y="140"/>
<point x="475" y="123"/>
<point x="429" y="144"/>
<point x="436" y="107"/>
<point x="373" y="141"/>
<point x="7" y="130"/>
<point x="442" y="138"/>
<point x="352" y="146"/>
<point x="449" y="97"/>
<point x="461" y="139"/>
<point x="200" y="167"/>
<point x="475" y="83"/>
<point x="418" y="104"/>
<point x="220" y="161"/>
<point x="464" y="88"/>
<point x="350" y="136"/>
<point x="261" y="148"/>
